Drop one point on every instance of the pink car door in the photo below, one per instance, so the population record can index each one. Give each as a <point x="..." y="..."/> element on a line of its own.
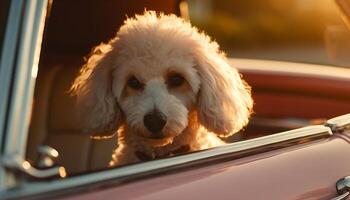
<point x="300" y="164"/>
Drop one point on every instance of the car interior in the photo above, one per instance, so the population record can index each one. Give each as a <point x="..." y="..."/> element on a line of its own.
<point x="73" y="28"/>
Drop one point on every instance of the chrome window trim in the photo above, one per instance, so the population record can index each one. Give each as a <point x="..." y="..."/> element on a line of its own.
<point x="7" y="58"/>
<point x="340" y="123"/>
<point x="25" y="58"/>
<point x="131" y="172"/>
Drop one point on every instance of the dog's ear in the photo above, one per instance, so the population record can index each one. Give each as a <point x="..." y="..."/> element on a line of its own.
<point x="97" y="107"/>
<point x="224" y="99"/>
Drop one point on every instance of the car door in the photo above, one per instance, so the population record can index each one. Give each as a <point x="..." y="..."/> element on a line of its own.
<point x="301" y="171"/>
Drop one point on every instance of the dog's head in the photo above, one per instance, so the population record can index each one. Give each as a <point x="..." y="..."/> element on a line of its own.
<point x="156" y="73"/>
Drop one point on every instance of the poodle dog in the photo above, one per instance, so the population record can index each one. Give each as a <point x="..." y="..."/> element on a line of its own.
<point x="163" y="87"/>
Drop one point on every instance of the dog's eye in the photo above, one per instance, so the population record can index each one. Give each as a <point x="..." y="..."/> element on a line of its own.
<point x="175" y="80"/>
<point x="134" y="83"/>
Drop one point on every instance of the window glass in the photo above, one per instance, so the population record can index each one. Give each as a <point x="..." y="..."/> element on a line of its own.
<point x="288" y="30"/>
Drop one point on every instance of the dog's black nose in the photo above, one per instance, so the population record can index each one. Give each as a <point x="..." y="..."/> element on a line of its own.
<point x="154" y="121"/>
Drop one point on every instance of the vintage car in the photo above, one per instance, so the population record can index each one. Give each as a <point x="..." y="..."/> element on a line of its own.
<point x="295" y="146"/>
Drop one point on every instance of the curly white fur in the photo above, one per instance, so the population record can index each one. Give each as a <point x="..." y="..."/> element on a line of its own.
<point x="214" y="100"/>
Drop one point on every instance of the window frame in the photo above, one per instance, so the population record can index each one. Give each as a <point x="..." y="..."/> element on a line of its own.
<point x="18" y="70"/>
<point x="6" y="70"/>
<point x="24" y="34"/>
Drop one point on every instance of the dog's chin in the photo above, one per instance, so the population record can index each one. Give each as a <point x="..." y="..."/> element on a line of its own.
<point x="159" y="142"/>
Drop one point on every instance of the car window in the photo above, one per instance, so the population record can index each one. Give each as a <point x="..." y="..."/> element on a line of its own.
<point x="69" y="36"/>
<point x="4" y="8"/>
<point x="291" y="30"/>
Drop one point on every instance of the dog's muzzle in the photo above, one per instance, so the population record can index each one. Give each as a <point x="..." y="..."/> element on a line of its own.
<point x="154" y="122"/>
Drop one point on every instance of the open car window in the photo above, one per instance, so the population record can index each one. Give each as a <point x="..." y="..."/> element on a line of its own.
<point x="55" y="121"/>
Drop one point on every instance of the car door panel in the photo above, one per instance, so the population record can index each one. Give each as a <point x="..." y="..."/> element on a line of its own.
<point x="307" y="171"/>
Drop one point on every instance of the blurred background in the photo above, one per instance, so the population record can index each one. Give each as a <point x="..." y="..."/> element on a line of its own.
<point x="305" y="31"/>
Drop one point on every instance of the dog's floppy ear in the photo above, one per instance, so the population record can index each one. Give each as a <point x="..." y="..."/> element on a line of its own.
<point x="97" y="107"/>
<point x="224" y="99"/>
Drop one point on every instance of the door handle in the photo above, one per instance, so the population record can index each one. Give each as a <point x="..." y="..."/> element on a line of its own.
<point x="343" y="188"/>
<point x="44" y="169"/>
